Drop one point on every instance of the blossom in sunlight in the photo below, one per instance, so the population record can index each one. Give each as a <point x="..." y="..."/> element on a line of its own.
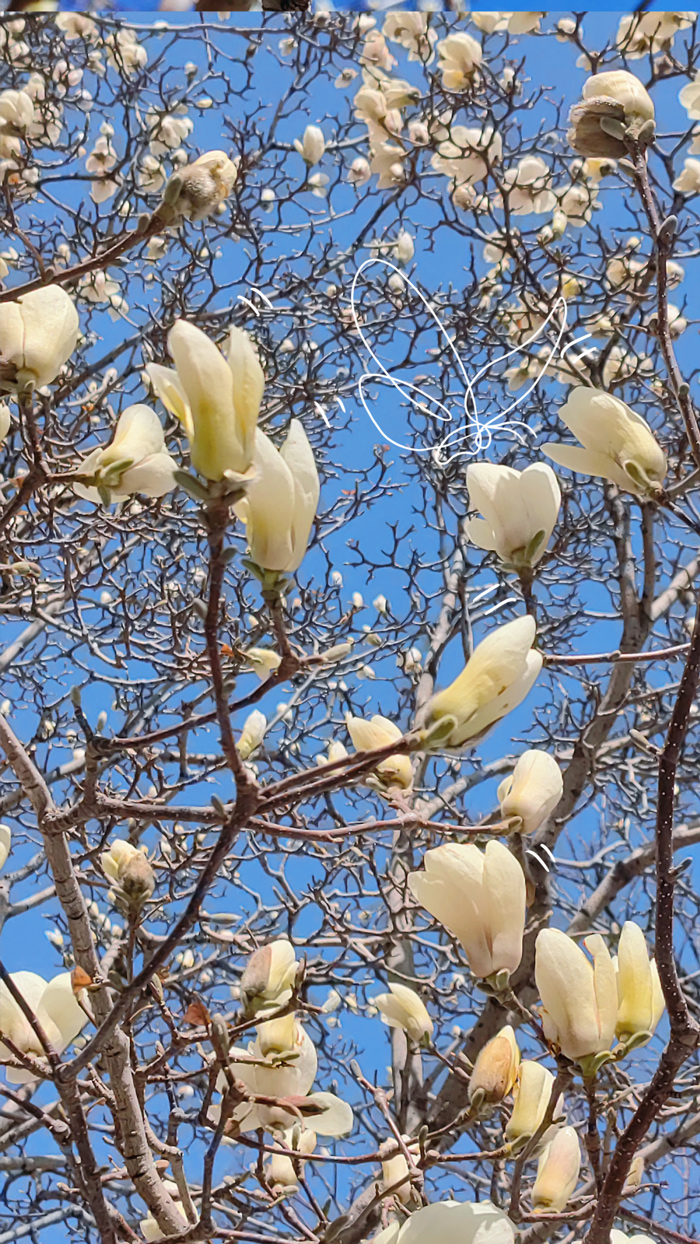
<point x="150" y="175"/>
<point x="688" y="180"/>
<point x="480" y="897"/>
<point x="135" y="461"/>
<point x="579" y="998"/>
<point x="531" y="1097"/>
<point x="577" y="203"/>
<point x="55" y="1006"/>
<point x="336" y="751"/>
<point x="148" y="1225"/>
<point x="640" y="999"/>
<point x="412" y="32"/>
<point x="359" y="172"/>
<point x="460" y="56"/>
<point x="371" y="106"/>
<point x="375" y="52"/>
<point x="129" y="868"/>
<point x="98" y="287"/>
<point x="640" y="33"/>
<point x="269" y="977"/>
<point x="615" y="443"/>
<point x="101" y="160"/>
<point x="495" y="1069"/>
<point x="124" y="52"/>
<point x="529" y="187"/>
<point x="404" y="247"/>
<point x="284" y="1169"/>
<point x="312" y="146"/>
<point x="263" y="661"/>
<point x="451" y="1222"/>
<point x="531" y="792"/>
<point x="519" y="510"/>
<point x="499" y="674"/>
<point x="77" y="26"/>
<point x="16" y="116"/>
<point x="38" y="333"/>
<point x="403" y="1008"/>
<point x="467" y="154"/>
<point x="279" y="506"/>
<point x="557" y="1172"/>
<point x="5" y="844"/>
<point x="252" y="734"/>
<point x="285" y="1067"/>
<point x="613" y="103"/>
<point x="395" y="771"/>
<point x="198" y="189"/>
<point x="216" y="398"/>
<point x="168" y="130"/>
<point x="387" y="162"/>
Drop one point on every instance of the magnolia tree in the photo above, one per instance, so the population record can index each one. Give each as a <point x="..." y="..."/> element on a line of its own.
<point x="349" y="564"/>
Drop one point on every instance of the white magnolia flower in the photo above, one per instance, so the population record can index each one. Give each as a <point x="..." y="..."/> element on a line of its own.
<point x="135" y="461"/>
<point x="451" y="1222"/>
<point x="312" y="146"/>
<point x="252" y="734"/>
<point x="279" y="506"/>
<point x="519" y="510"/>
<point x="387" y="162"/>
<point x="640" y="34"/>
<point x="557" y="1172"/>
<point x="5" y="844"/>
<point x="412" y="32"/>
<point x="531" y="792"/>
<point x="403" y="1008"/>
<point x="529" y="187"/>
<point x="688" y="180"/>
<point x="467" y="154"/>
<point x="38" y="333"/>
<point x="579" y="998"/>
<point x="395" y="771"/>
<point x="269" y="976"/>
<point x="56" y="1008"/>
<point x="460" y="56"/>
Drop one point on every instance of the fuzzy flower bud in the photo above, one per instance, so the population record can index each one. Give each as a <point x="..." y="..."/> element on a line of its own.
<point x="495" y="1068"/>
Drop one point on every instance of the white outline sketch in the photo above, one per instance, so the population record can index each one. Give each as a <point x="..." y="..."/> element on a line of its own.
<point x="480" y="433"/>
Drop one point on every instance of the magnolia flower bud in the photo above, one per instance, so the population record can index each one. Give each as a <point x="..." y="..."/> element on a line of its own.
<point x="579" y="999"/>
<point x="336" y="751"/>
<point x="632" y="1182"/>
<point x="395" y="771"/>
<point x="497" y="677"/>
<point x="557" y="1172"/>
<point x="532" y="791"/>
<point x="404" y="248"/>
<point x="216" y="399"/>
<point x="395" y="1169"/>
<point x="313" y="145"/>
<point x="269" y="976"/>
<point x="480" y="897"/>
<point x="519" y="510"/>
<point x="495" y="1068"/>
<point x="281" y="1170"/>
<point x="5" y="844"/>
<point x="137" y="880"/>
<point x="38" y="334"/>
<point x="617" y="443"/>
<point x="252" y="734"/>
<point x="135" y="461"/>
<point x="55" y="1006"/>
<point x="403" y="1008"/>
<point x="640" y="999"/>
<point x="532" y="1093"/>
<point x="196" y="191"/>
<point x="279" y="506"/>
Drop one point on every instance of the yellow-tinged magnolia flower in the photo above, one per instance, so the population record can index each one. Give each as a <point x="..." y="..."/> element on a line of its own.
<point x="519" y="510"/>
<point x="216" y="399"/>
<point x="460" y="55"/>
<point x="532" y="1094"/>
<point x="480" y="897"/>
<point x="403" y="1008"/>
<point x="54" y="1005"/>
<point x="638" y="1237"/>
<point x="377" y="732"/>
<point x="640" y="999"/>
<point x="284" y="1170"/>
<point x="149" y="1227"/>
<point x="38" y="334"/>
<point x="252" y="734"/>
<point x="496" y="678"/>
<point x="279" y="506"/>
<point x="5" y="421"/>
<point x="135" y="461"/>
<point x="263" y="661"/>
<point x="128" y="866"/>
<point x="495" y="1068"/>
<point x="451" y="1222"/>
<point x="616" y="443"/>
<point x="579" y="998"/>
<point x="557" y="1172"/>
<point x="623" y="87"/>
<point x="395" y="1169"/>
<point x="197" y="190"/>
<point x="269" y="976"/>
<point x="5" y="844"/>
<point x="532" y="791"/>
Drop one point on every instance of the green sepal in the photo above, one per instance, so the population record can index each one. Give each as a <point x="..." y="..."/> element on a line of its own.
<point x="192" y="486"/>
<point x="438" y="732"/>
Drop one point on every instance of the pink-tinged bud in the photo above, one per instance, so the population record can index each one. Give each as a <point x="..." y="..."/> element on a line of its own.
<point x="557" y="1172"/>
